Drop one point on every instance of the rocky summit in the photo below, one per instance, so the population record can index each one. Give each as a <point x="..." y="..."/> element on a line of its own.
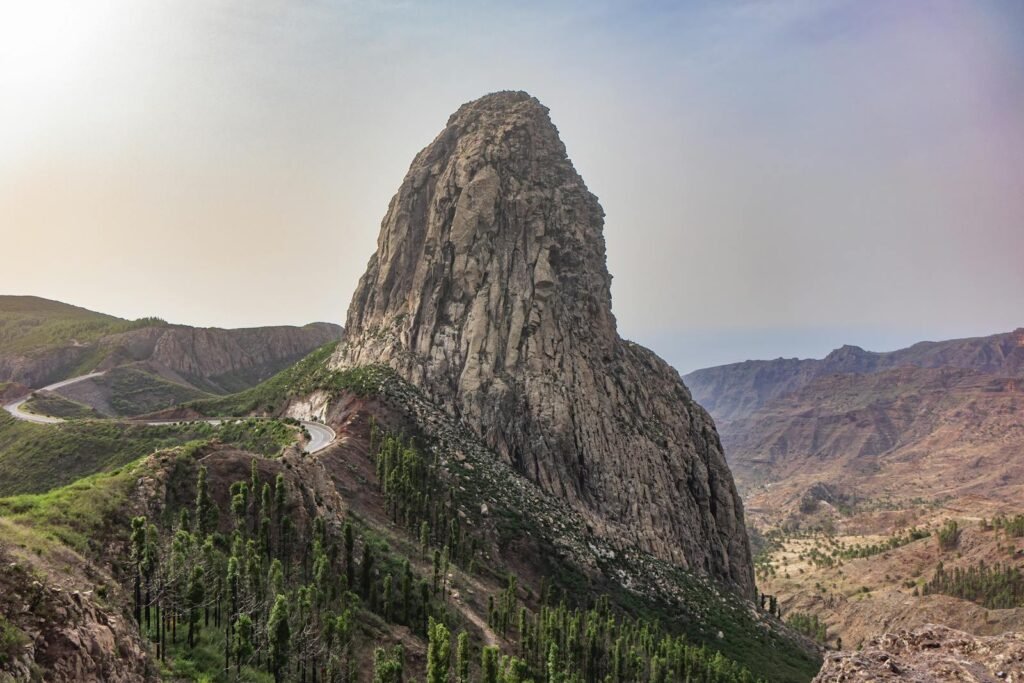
<point x="489" y="291"/>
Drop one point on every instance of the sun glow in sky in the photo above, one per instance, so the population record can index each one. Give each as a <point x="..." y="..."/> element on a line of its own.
<point x="779" y="177"/>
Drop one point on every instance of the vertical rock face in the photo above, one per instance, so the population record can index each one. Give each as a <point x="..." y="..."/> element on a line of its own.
<point x="489" y="291"/>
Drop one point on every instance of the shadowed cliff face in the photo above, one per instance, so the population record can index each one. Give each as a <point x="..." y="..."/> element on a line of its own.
<point x="489" y="291"/>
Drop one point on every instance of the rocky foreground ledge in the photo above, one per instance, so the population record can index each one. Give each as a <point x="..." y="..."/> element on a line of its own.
<point x="930" y="654"/>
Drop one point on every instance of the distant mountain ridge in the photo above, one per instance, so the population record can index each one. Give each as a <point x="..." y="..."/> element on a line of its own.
<point x="43" y="341"/>
<point x="935" y="420"/>
<point x="930" y="431"/>
<point x="736" y="390"/>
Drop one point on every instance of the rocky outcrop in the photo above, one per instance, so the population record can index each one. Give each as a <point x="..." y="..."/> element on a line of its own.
<point x="230" y="360"/>
<point x="489" y="291"/>
<point x="56" y="627"/>
<point x="930" y="654"/>
<point x="39" y="369"/>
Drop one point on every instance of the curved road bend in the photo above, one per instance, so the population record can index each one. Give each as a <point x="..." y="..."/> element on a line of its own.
<point x="320" y="435"/>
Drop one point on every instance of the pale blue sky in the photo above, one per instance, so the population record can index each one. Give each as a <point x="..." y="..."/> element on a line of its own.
<point x="779" y="177"/>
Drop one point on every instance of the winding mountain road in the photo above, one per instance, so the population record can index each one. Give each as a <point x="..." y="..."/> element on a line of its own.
<point x="17" y="407"/>
<point x="320" y="435"/>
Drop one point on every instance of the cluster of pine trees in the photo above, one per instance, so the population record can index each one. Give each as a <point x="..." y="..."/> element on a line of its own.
<point x="418" y="500"/>
<point x="556" y="644"/>
<point x="893" y="542"/>
<point x="1013" y="527"/>
<point x="272" y="602"/>
<point x="949" y="535"/>
<point x="564" y="644"/>
<point x="993" y="587"/>
<point x="294" y="601"/>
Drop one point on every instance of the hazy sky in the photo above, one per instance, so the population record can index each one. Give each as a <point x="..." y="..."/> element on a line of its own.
<point x="779" y="177"/>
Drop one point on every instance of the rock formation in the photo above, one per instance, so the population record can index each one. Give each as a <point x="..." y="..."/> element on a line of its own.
<point x="489" y="291"/>
<point x="231" y="360"/>
<point x="930" y="654"/>
<point x="55" y="627"/>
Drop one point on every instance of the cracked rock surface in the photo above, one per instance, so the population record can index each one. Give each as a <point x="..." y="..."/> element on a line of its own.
<point x="489" y="291"/>
<point x="930" y="654"/>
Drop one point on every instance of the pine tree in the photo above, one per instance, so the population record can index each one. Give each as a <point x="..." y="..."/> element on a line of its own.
<point x="438" y="652"/>
<point x="279" y="638"/>
<point x="445" y="558"/>
<point x="658" y="670"/>
<point x="279" y="494"/>
<point x="204" y="506"/>
<point x="275" y="578"/>
<point x="462" y="658"/>
<point x="489" y="665"/>
<point x="265" y="520"/>
<point x="150" y="559"/>
<point x="388" y="665"/>
<point x="242" y="646"/>
<point x="254" y="491"/>
<point x="279" y="514"/>
<point x="366" y="571"/>
<point x="554" y="673"/>
<point x="424" y="604"/>
<point x="233" y="584"/>
<point x="194" y="596"/>
<point x="239" y="503"/>
<point x="350" y="544"/>
<point x="386" y="598"/>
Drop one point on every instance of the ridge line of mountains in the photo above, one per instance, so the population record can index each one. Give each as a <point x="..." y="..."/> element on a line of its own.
<point x="863" y="423"/>
<point x="852" y="468"/>
<point x="149" y="363"/>
<point x="737" y="389"/>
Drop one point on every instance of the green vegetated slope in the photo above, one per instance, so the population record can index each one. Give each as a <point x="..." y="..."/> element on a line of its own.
<point x="85" y="515"/>
<point x="38" y="457"/>
<point x="134" y="392"/>
<point x="30" y="324"/>
<point x="683" y="603"/>
<point x="130" y="391"/>
<point x="309" y="374"/>
<point x="125" y="391"/>
<point x="443" y="550"/>
<point x="55" y="405"/>
<point x="261" y="579"/>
